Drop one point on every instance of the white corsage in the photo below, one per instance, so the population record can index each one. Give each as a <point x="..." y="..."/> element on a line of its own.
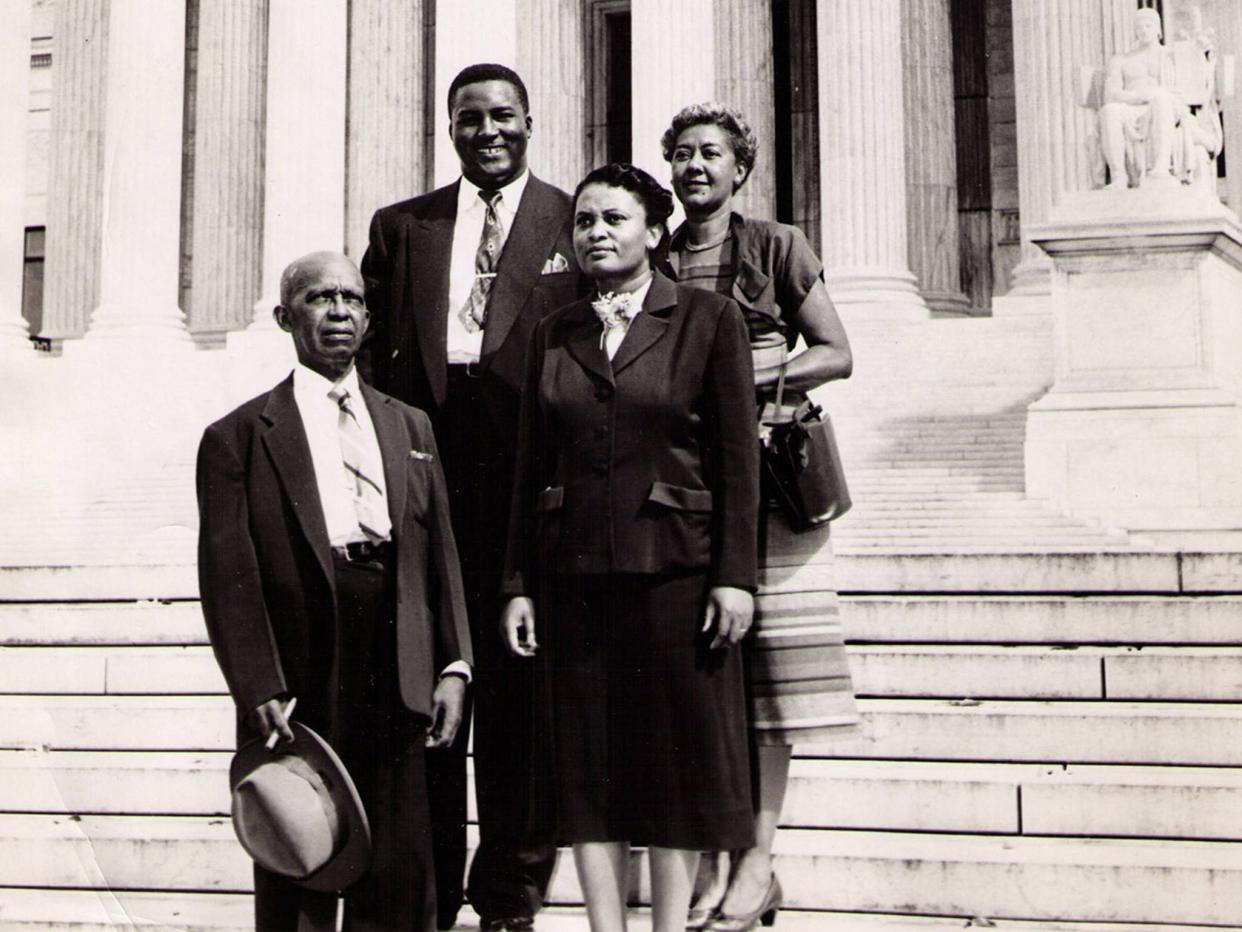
<point x="615" y="310"/>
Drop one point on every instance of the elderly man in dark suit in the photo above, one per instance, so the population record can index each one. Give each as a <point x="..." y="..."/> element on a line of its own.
<point x="328" y="572"/>
<point x="457" y="280"/>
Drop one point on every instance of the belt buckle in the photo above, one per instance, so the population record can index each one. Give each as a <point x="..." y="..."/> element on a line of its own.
<point x="473" y="371"/>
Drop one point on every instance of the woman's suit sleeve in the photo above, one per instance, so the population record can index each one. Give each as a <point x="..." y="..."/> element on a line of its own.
<point x="734" y="460"/>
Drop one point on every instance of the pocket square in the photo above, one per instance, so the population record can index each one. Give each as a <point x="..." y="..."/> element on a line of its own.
<point x="420" y="455"/>
<point x="557" y="263"/>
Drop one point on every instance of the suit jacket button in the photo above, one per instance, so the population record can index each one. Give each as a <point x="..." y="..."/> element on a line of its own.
<point x="600" y="469"/>
<point x="603" y="393"/>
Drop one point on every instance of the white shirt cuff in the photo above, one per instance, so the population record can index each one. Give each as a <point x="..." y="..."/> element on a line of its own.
<point x="458" y="668"/>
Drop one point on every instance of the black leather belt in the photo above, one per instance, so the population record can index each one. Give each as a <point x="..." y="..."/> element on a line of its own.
<point x="364" y="551"/>
<point x="464" y="370"/>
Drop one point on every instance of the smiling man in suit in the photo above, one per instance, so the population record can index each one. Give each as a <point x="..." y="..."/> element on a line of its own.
<point x="456" y="280"/>
<point x="328" y="573"/>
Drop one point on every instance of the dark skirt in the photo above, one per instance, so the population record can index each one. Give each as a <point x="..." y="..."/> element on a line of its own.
<point x="642" y="728"/>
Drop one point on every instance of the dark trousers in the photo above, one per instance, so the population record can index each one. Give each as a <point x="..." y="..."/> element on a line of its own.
<point x="509" y="875"/>
<point x="361" y="714"/>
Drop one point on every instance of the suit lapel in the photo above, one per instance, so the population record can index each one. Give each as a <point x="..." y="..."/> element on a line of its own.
<point x="647" y="328"/>
<point x="535" y="230"/>
<point x="394" y="444"/>
<point x="430" y="250"/>
<point x="583" y="341"/>
<point x="285" y="440"/>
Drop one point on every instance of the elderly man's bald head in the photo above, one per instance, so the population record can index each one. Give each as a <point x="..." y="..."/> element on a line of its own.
<point x="323" y="306"/>
<point x="313" y="265"/>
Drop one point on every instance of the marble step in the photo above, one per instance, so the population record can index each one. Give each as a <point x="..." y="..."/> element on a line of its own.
<point x="1078" y="572"/>
<point x="916" y="729"/>
<point x="1040" y="799"/>
<point x="947" y="671"/>
<point x="1035" y="619"/>
<point x="997" y="619"/>
<point x="972" y="875"/>
<point x="1044" y="731"/>
<point x="91" y="911"/>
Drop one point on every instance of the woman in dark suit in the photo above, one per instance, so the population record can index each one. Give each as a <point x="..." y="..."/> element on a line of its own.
<point x="799" y="682"/>
<point x="632" y="553"/>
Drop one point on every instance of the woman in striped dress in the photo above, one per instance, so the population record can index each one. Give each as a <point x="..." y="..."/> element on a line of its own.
<point x="798" y="678"/>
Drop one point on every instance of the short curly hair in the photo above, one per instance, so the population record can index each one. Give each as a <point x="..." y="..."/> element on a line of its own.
<point x="656" y="199"/>
<point x="488" y="71"/>
<point x="742" y="138"/>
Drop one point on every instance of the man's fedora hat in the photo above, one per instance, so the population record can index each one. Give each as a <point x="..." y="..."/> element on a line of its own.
<point x="297" y="812"/>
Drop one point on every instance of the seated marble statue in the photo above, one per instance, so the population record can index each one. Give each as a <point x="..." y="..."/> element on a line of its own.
<point x="1158" y="121"/>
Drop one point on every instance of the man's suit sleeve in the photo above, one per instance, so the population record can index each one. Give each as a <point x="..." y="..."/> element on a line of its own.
<point x="228" y="577"/>
<point x="531" y="446"/>
<point x="452" y="630"/>
<point x="377" y="271"/>
<point x="735" y="453"/>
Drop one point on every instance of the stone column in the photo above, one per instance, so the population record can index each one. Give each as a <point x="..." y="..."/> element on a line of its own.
<point x="467" y="32"/>
<point x="931" y="155"/>
<point x="75" y="176"/>
<point x="304" y="157"/>
<point x="551" y="60"/>
<point x="140" y="243"/>
<point x="386" y="152"/>
<point x="227" y="231"/>
<point x="14" y="105"/>
<point x="1052" y="41"/>
<point x="673" y="64"/>
<point x="744" y="80"/>
<point x="862" y="159"/>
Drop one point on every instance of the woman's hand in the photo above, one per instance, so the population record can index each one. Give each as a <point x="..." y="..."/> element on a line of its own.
<point x="517" y="627"/>
<point x="731" y="611"/>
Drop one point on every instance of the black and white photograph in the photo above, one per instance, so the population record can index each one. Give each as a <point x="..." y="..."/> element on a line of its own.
<point x="620" y="465"/>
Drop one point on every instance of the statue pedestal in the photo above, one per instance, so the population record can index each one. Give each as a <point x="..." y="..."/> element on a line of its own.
<point x="1142" y="427"/>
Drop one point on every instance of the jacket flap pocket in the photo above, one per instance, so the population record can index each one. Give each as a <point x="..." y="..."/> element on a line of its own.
<point x="679" y="497"/>
<point x="751" y="280"/>
<point x="550" y="498"/>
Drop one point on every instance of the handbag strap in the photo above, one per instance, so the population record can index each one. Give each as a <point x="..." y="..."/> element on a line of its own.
<point x="780" y="378"/>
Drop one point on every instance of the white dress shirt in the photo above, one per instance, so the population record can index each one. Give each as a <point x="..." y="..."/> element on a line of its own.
<point x="321" y="421"/>
<point x="464" y="346"/>
<point x="616" y="335"/>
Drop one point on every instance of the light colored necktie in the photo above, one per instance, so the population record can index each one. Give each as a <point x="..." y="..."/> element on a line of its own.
<point x="473" y="314"/>
<point x="362" y="470"/>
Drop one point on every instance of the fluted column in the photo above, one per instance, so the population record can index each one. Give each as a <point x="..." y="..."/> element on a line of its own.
<point x="673" y="63"/>
<point x="744" y="81"/>
<point x="140" y="246"/>
<point x="468" y="32"/>
<point x="862" y="158"/>
<point x="75" y="175"/>
<point x="227" y="230"/>
<point x="931" y="154"/>
<point x="551" y="61"/>
<point x="14" y="108"/>
<point x="304" y="151"/>
<point x="1052" y="41"/>
<point x="387" y="119"/>
<point x="1229" y="28"/>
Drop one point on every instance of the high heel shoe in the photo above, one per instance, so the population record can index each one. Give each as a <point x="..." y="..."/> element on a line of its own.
<point x="700" y="917"/>
<point x="765" y="914"/>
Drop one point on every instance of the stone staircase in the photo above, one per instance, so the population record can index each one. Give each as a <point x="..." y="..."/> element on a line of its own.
<point x="1053" y="724"/>
<point x="1064" y="755"/>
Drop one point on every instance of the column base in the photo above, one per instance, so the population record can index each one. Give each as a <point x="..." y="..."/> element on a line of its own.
<point x="882" y="294"/>
<point x="1031" y="278"/>
<point x="948" y="304"/>
<point x="126" y="331"/>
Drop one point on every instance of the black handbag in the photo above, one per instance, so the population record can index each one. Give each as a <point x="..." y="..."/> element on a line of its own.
<point x="801" y="462"/>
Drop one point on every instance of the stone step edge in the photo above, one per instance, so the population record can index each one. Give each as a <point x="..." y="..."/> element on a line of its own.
<point x="1043" y="570"/>
<point x="37" y="908"/>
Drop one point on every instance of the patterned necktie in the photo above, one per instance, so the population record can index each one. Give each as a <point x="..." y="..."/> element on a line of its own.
<point x="473" y="314"/>
<point x="362" y="466"/>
